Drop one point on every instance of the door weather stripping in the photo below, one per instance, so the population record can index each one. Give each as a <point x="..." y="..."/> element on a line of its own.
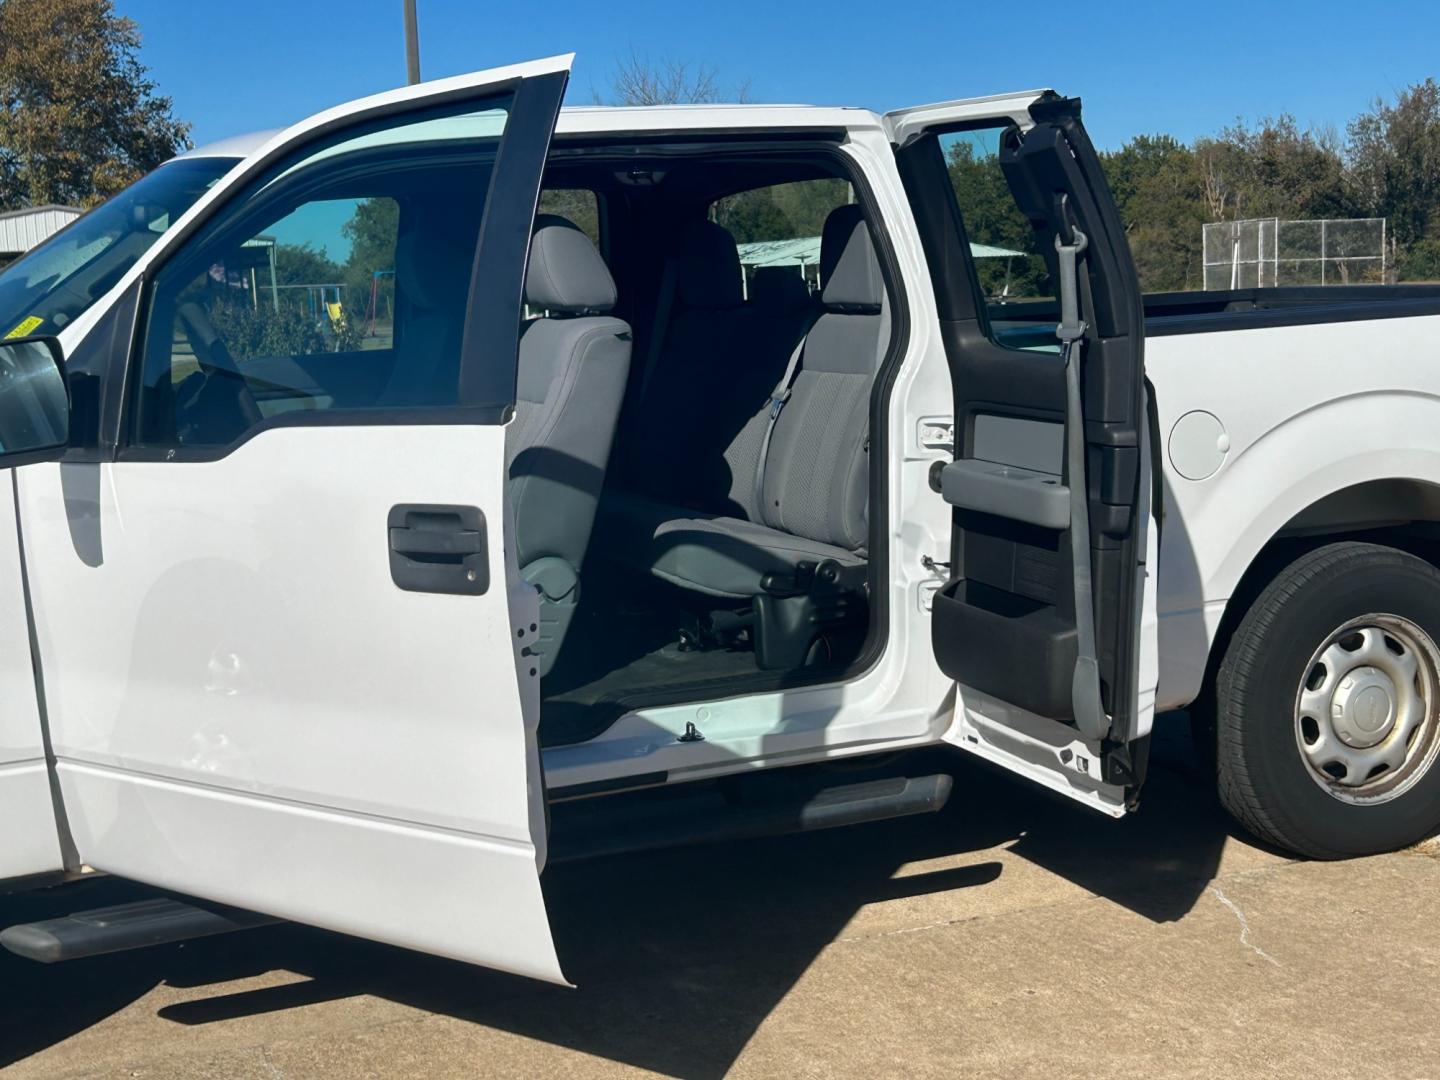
<point x="1090" y="715"/>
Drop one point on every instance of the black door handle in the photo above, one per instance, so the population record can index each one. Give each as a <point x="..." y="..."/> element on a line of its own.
<point x="438" y="548"/>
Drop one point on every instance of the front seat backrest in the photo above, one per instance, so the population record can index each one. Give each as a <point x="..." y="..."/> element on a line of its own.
<point x="816" y="472"/>
<point x="573" y="364"/>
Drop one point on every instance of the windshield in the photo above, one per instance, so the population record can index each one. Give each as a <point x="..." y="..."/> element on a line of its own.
<point x="42" y="292"/>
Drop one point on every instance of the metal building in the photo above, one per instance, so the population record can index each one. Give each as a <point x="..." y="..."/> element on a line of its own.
<point x="20" y="230"/>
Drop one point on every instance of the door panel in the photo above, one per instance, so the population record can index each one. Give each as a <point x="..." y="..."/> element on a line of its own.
<point x="245" y="708"/>
<point x="1011" y="625"/>
<point x="245" y="705"/>
<point x="31" y="843"/>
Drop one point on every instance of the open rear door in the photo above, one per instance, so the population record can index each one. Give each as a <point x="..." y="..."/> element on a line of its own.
<point x="284" y="639"/>
<point x="1048" y="621"/>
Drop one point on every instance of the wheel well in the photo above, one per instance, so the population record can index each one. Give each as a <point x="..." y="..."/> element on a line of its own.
<point x="1398" y="513"/>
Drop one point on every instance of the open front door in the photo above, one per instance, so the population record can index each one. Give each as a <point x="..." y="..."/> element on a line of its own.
<point x="1048" y="621"/>
<point x="284" y="641"/>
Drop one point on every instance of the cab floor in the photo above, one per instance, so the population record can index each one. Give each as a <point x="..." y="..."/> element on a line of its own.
<point x="582" y="710"/>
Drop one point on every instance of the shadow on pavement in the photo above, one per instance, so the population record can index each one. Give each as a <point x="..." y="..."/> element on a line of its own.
<point x="679" y="955"/>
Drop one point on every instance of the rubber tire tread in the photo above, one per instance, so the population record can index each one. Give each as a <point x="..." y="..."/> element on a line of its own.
<point x="1241" y="676"/>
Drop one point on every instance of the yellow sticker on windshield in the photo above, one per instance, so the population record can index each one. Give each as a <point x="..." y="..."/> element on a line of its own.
<point x="25" y="327"/>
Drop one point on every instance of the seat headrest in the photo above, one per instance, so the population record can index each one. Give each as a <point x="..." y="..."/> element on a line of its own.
<point x="566" y="273"/>
<point x="849" y="271"/>
<point x="708" y="269"/>
<point x="779" y="290"/>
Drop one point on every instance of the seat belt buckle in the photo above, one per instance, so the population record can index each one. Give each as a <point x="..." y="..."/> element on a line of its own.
<point x="777" y="402"/>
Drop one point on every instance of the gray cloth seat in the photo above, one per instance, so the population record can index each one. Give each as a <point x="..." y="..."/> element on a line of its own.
<point x="686" y="406"/>
<point x="780" y="292"/>
<point x="808" y="503"/>
<point x="573" y="364"/>
<point x="718" y="556"/>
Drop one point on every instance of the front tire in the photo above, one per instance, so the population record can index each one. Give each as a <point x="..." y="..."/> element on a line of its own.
<point x="1327" y="705"/>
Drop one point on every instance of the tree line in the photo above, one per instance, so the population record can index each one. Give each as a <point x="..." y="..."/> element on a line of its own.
<point x="80" y="118"/>
<point x="1386" y="164"/>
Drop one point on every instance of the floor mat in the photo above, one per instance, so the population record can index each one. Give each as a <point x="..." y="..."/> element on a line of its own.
<point x="624" y="646"/>
<point x="582" y="711"/>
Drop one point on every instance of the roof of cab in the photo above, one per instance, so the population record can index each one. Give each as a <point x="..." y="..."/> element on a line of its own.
<point x="619" y="120"/>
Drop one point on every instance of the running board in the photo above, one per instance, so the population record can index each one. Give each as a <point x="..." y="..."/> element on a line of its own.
<point x="125" y="926"/>
<point x="828" y="808"/>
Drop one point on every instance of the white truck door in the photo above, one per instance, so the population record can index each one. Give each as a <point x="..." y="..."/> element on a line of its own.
<point x="35" y="838"/>
<point x="1048" y="621"/>
<point x="284" y="640"/>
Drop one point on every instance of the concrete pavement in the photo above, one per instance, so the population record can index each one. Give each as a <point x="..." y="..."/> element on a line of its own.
<point x="1013" y="935"/>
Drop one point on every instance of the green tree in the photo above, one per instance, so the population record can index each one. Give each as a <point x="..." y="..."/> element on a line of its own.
<point x="303" y="264"/>
<point x="992" y="218"/>
<point x="79" y="116"/>
<point x="372" y="231"/>
<point x="1394" y="173"/>
<point x="1275" y="169"/>
<point x="576" y="205"/>
<point x="1156" y="183"/>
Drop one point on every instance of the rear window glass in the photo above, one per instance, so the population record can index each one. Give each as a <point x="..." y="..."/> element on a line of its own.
<point x="780" y="225"/>
<point x="579" y="206"/>
<point x="1002" y="241"/>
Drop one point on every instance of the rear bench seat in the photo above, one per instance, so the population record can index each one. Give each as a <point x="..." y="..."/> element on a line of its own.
<point x="717" y="357"/>
<point x="800" y="524"/>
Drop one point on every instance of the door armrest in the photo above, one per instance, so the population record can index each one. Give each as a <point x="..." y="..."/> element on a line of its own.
<point x="1007" y="491"/>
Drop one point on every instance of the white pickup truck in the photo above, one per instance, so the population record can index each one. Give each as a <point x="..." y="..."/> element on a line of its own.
<point x="371" y="529"/>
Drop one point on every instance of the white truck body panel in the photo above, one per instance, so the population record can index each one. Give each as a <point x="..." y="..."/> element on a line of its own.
<point x="209" y="699"/>
<point x="231" y="660"/>
<point x="289" y="735"/>
<point x="32" y="843"/>
<point x="1307" y="411"/>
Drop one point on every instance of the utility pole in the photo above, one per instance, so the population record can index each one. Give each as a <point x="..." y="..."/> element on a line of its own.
<point x="412" y="44"/>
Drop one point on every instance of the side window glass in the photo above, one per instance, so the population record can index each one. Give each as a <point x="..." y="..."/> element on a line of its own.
<point x="1003" y="245"/>
<point x="579" y="206"/>
<point x="780" y="225"/>
<point x="319" y="280"/>
<point x="340" y="283"/>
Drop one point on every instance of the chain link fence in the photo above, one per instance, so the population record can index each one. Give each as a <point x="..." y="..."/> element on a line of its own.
<point x="1266" y="252"/>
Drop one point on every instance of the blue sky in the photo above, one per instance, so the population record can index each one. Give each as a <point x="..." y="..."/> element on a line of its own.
<point x="1186" y="69"/>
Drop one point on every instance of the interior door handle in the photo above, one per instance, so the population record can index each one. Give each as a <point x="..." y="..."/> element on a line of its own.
<point x="439" y="548"/>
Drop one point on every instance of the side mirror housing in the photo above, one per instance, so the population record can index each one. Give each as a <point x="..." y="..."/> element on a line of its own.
<point x="34" y="401"/>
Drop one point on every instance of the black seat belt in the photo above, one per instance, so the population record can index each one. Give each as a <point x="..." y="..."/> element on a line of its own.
<point x="1085" y="700"/>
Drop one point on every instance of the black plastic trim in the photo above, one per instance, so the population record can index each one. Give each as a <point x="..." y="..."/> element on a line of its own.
<point x="801" y="810"/>
<point x="136" y="925"/>
<point x="1054" y="157"/>
<point x="96" y="374"/>
<point x="495" y="307"/>
<point x="439" y="548"/>
<point x="340" y="418"/>
<point x="985" y="636"/>
<point x="1320" y="310"/>
<point x="607" y="787"/>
